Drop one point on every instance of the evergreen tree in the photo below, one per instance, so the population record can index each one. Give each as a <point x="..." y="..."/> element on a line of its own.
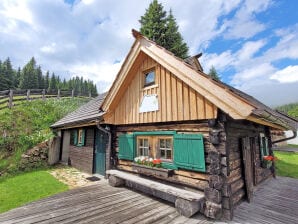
<point x="28" y="78"/>
<point x="40" y="83"/>
<point x="17" y="78"/>
<point x="153" y="23"/>
<point x="213" y="73"/>
<point x="7" y="74"/>
<point x="173" y="39"/>
<point x="47" y="80"/>
<point x="163" y="29"/>
<point x="53" y="82"/>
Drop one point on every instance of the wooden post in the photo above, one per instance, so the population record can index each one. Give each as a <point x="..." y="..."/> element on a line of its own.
<point x="58" y="94"/>
<point x="43" y="94"/>
<point x="10" y="104"/>
<point x="89" y="94"/>
<point x="28" y="94"/>
<point x="72" y="93"/>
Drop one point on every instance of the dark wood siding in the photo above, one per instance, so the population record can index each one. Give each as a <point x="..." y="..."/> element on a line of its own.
<point x="234" y="189"/>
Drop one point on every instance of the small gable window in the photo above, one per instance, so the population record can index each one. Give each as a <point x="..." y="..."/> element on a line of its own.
<point x="149" y="78"/>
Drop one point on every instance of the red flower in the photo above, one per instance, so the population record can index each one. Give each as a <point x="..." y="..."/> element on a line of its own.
<point x="269" y="158"/>
<point x="156" y="161"/>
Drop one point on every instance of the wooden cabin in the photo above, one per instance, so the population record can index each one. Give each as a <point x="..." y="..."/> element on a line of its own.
<point x="208" y="138"/>
<point x="83" y="144"/>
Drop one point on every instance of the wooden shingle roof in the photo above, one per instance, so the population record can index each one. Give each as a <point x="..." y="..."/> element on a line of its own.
<point x="86" y="114"/>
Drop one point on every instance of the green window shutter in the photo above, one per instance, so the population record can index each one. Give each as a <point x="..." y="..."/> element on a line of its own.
<point x="75" y="137"/>
<point x="126" y="145"/>
<point x="189" y="151"/>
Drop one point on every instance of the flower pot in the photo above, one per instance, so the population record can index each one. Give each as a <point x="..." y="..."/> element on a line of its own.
<point x="152" y="171"/>
<point x="266" y="163"/>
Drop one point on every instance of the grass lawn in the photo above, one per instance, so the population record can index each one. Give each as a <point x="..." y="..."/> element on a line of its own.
<point x="18" y="190"/>
<point x="287" y="164"/>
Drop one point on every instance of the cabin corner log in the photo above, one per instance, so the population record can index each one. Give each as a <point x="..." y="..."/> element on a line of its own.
<point x="213" y="210"/>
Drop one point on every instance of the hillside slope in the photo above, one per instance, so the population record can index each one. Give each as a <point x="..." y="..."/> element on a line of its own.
<point x="24" y="126"/>
<point x="290" y="109"/>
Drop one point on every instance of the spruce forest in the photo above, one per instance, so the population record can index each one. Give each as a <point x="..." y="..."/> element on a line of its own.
<point x="32" y="77"/>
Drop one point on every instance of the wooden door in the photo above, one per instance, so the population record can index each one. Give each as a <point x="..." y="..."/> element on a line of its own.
<point x="247" y="157"/>
<point x="100" y="152"/>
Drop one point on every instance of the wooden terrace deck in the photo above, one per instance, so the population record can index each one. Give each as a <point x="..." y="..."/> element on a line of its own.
<point x="275" y="201"/>
<point x="98" y="203"/>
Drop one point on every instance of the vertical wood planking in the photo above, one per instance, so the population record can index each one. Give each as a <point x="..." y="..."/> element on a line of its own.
<point x="185" y="102"/>
<point x="174" y="98"/>
<point x="158" y="78"/>
<point x="169" y="96"/>
<point x="200" y="106"/>
<point x="209" y="109"/>
<point x="163" y="95"/>
<point x="179" y="100"/>
<point x="192" y="104"/>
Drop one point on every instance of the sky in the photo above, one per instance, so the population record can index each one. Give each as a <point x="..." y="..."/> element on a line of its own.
<point x="253" y="44"/>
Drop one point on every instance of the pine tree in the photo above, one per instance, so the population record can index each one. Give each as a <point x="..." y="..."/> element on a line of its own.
<point x="174" y="41"/>
<point x="17" y="77"/>
<point x="53" y="82"/>
<point x="153" y="23"/>
<point x="40" y="84"/>
<point x="7" y="74"/>
<point x="163" y="29"/>
<point x="47" y="80"/>
<point x="213" y="73"/>
<point x="28" y="78"/>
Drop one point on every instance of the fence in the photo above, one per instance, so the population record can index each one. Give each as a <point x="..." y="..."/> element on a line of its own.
<point x="10" y="98"/>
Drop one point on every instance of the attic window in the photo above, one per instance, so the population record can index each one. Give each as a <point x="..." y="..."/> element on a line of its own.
<point x="149" y="78"/>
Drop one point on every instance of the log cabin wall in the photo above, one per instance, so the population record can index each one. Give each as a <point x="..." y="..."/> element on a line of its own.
<point x="184" y="178"/>
<point x="81" y="157"/>
<point x="176" y="100"/>
<point x="234" y="189"/>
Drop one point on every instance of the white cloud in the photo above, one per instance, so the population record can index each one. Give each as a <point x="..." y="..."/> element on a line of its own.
<point x="286" y="75"/>
<point x="244" y="24"/>
<point x="249" y="49"/>
<point x="49" y="48"/>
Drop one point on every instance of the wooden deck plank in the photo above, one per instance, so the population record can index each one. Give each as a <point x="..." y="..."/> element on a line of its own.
<point x="275" y="201"/>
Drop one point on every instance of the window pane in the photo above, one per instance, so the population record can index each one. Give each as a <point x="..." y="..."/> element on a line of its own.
<point x="146" y="142"/>
<point x="149" y="77"/>
<point x="140" y="142"/>
<point x="161" y="143"/>
<point x="168" y="143"/>
<point x="162" y="154"/>
<point x="169" y="154"/>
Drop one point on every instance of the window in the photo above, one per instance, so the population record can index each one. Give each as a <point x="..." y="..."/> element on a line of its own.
<point x="81" y="137"/>
<point x="78" y="137"/>
<point x="149" y="78"/>
<point x="264" y="149"/>
<point x="165" y="148"/>
<point x="177" y="151"/>
<point x="143" y="147"/>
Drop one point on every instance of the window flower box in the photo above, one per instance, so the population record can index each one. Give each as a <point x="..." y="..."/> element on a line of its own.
<point x="267" y="161"/>
<point x="151" y="171"/>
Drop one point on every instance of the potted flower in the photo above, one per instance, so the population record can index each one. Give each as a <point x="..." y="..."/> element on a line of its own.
<point x="267" y="161"/>
<point x="149" y="166"/>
